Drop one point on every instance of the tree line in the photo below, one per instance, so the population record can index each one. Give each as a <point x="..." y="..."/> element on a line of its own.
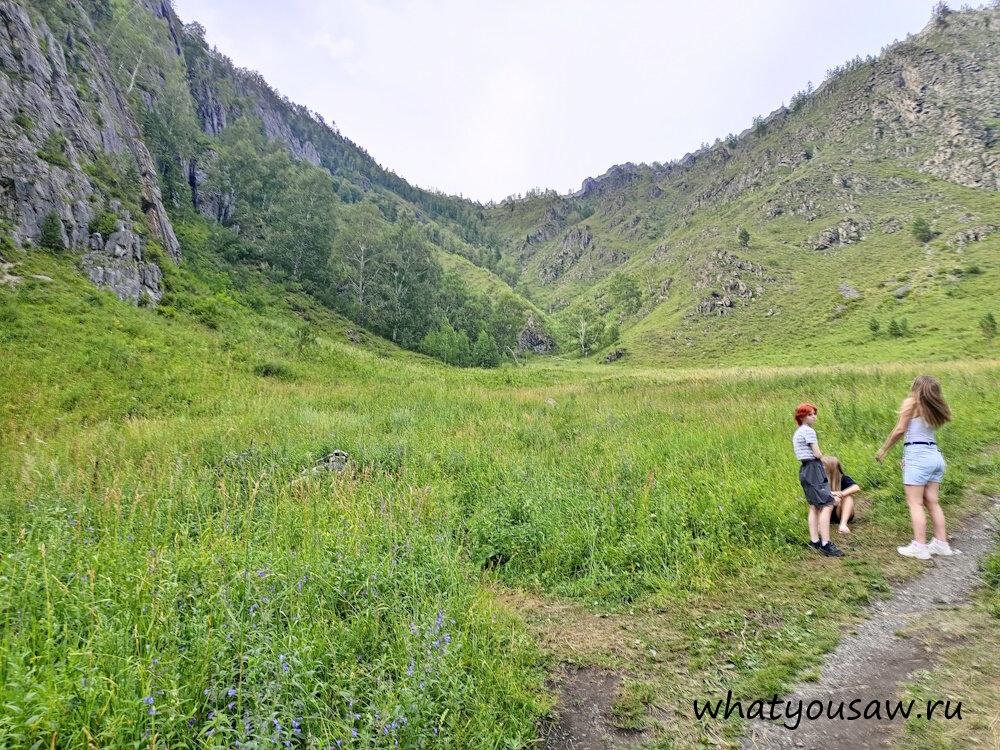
<point x="368" y="259"/>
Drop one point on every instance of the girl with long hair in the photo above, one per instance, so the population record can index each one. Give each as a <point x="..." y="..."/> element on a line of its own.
<point x="843" y="489"/>
<point x="923" y="411"/>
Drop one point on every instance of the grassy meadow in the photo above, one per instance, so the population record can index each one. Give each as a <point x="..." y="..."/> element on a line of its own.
<point x="174" y="575"/>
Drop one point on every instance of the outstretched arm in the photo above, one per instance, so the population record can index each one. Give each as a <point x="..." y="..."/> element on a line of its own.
<point x="905" y="414"/>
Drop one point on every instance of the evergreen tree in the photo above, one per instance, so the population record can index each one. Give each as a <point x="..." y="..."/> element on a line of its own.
<point x="52" y="231"/>
<point x="988" y="325"/>
<point x="922" y="230"/>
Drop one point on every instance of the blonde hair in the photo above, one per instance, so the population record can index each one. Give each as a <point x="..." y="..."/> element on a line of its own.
<point x="930" y="404"/>
<point x="833" y="472"/>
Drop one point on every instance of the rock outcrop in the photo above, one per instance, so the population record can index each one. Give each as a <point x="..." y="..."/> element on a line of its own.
<point x="52" y="136"/>
<point x="847" y="232"/>
<point x="117" y="264"/>
<point x="727" y="277"/>
<point x="534" y="339"/>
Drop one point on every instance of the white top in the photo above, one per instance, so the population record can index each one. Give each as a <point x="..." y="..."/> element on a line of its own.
<point x="802" y="439"/>
<point x="918" y="431"/>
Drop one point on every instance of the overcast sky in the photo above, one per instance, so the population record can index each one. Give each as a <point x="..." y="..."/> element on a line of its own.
<point x="488" y="99"/>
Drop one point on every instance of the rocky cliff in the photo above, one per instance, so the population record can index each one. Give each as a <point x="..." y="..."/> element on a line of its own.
<point x="68" y="143"/>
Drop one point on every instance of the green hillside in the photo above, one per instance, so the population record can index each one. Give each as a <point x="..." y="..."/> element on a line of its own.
<point x="828" y="193"/>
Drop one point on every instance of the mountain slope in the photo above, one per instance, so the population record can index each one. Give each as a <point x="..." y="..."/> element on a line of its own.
<point x="108" y="105"/>
<point x="827" y="192"/>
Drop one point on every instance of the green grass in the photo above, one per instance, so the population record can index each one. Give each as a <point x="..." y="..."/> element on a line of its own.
<point x="156" y="521"/>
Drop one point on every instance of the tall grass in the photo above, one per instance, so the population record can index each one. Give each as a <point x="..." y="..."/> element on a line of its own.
<point x="173" y="574"/>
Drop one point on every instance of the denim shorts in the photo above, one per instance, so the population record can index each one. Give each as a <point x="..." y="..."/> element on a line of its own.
<point x="922" y="464"/>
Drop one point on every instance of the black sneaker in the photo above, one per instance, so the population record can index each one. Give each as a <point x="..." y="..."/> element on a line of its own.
<point x="831" y="550"/>
<point x="816" y="545"/>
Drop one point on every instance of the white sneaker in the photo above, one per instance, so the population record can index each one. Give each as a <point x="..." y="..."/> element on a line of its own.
<point x="937" y="547"/>
<point x="915" y="549"/>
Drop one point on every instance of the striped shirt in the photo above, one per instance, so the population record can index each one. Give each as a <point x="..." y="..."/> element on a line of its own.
<point x="802" y="439"/>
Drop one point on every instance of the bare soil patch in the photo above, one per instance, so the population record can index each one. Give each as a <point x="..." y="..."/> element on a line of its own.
<point x="583" y="719"/>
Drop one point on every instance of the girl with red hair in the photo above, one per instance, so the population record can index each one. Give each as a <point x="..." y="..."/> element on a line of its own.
<point x="815" y="484"/>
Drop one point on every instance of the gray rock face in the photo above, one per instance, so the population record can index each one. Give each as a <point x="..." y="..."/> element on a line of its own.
<point x="276" y="114"/>
<point x="49" y="133"/>
<point x="37" y="102"/>
<point x="974" y="234"/>
<point x="118" y="265"/>
<point x="846" y="232"/>
<point x="615" y="178"/>
<point x="731" y="279"/>
<point x="890" y="225"/>
<point x="847" y="291"/>
<point x="533" y="338"/>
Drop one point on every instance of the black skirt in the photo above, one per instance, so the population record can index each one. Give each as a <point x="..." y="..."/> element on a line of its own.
<point x="815" y="483"/>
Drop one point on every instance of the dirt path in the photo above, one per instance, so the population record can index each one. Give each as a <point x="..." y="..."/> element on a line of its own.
<point x="873" y="662"/>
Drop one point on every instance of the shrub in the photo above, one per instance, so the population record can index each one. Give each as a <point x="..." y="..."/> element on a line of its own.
<point x="611" y="335"/>
<point x="208" y="312"/>
<point x="922" y="230"/>
<point x="304" y="338"/>
<point x="988" y="325"/>
<point x="874" y="326"/>
<point x="7" y="247"/>
<point x="485" y="353"/>
<point x="744" y="237"/>
<point x="105" y="223"/>
<point x="991" y="577"/>
<point x="54" y="150"/>
<point x="277" y="370"/>
<point x="52" y="232"/>
<point x="24" y="121"/>
<point x="899" y="328"/>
